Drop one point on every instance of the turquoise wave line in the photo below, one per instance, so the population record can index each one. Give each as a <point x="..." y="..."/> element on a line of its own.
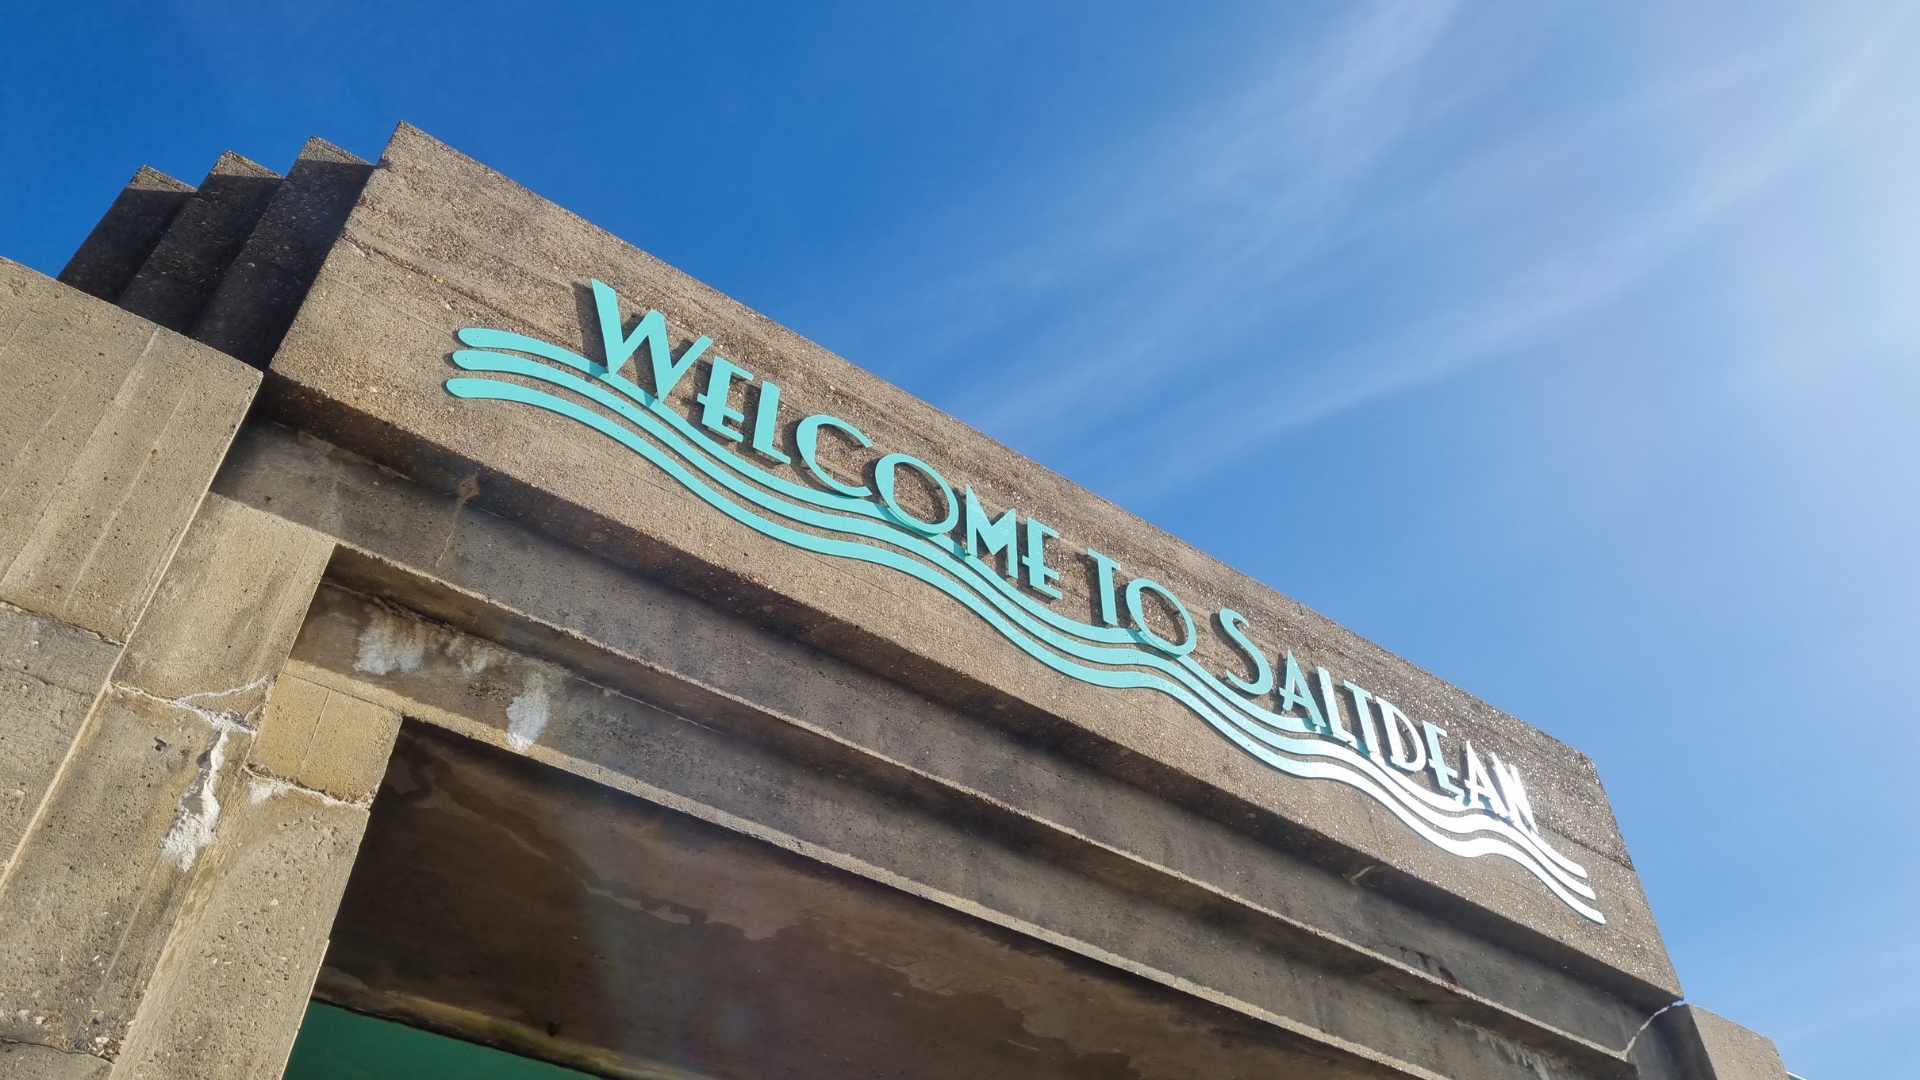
<point x="976" y="586"/>
<point x="884" y="533"/>
<point x="971" y="569"/>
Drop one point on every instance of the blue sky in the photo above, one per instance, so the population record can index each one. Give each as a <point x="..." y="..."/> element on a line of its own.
<point x="1567" y="350"/>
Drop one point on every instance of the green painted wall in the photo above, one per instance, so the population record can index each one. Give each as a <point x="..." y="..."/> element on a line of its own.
<point x="335" y="1044"/>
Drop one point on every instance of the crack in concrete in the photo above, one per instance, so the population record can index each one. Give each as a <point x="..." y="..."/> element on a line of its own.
<point x="222" y="720"/>
<point x="263" y="784"/>
<point x="199" y="808"/>
<point x="55" y="1049"/>
<point x="1649" y="1023"/>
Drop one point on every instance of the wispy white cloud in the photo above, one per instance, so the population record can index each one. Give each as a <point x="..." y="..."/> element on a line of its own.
<point x="1537" y="299"/>
<point x="1154" y="295"/>
<point x="1216" y="207"/>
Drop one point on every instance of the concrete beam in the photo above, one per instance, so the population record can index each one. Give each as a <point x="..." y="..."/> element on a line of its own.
<point x="893" y="822"/>
<point x="527" y="592"/>
<point x="1713" y="1047"/>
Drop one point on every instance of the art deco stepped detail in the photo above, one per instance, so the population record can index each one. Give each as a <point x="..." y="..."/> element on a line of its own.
<point x="427" y="605"/>
<point x="227" y="263"/>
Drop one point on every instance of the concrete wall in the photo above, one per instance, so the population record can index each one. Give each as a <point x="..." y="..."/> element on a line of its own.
<point x="438" y="242"/>
<point x="171" y="867"/>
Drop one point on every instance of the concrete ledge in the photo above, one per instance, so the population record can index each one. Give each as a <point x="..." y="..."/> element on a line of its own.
<point x="185" y="267"/>
<point x="1715" y="1048"/>
<point x="126" y="234"/>
<point x="110" y="431"/>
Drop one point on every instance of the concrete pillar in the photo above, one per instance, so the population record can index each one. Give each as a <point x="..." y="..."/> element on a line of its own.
<point x="116" y="865"/>
<point x="173" y="847"/>
<point x="110" y="431"/>
<point x="229" y="994"/>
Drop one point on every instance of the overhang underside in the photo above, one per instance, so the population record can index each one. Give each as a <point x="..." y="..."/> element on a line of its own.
<point x="505" y="901"/>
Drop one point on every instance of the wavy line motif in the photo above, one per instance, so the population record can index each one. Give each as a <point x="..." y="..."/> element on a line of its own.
<point x="860" y="530"/>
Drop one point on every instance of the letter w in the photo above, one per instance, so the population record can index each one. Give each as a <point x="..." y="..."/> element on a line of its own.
<point x="652" y="330"/>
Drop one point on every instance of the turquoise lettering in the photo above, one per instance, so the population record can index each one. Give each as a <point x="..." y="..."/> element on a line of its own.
<point x="1233" y="624"/>
<point x="1135" y="590"/>
<point x="715" y="413"/>
<point x="884" y="474"/>
<point x="766" y="424"/>
<point x="986" y="538"/>
<point x="1103" y="569"/>
<point x="806" y="439"/>
<point x="1437" y="760"/>
<point x="652" y="330"/>
<point x="1294" y="694"/>
<point x="1039" y="575"/>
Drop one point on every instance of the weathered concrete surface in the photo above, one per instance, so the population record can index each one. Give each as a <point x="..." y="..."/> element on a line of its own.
<point x="126" y="234"/>
<point x="227" y="999"/>
<point x="28" y="1061"/>
<point x="228" y="996"/>
<point x="228" y="610"/>
<point x="324" y="740"/>
<point x="261" y="291"/>
<point x="95" y="890"/>
<point x="1715" y="1048"/>
<point x="973" y="853"/>
<point x="676" y="652"/>
<point x="50" y="674"/>
<point x="438" y="242"/>
<point x="176" y="280"/>
<point x="80" y="934"/>
<point x="109" y="433"/>
<point x="554" y="917"/>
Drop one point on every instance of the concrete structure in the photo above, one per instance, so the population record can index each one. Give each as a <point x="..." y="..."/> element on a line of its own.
<point x="661" y="732"/>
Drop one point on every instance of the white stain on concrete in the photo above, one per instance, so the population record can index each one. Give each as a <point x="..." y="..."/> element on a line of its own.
<point x="473" y="655"/>
<point x="527" y="714"/>
<point x="260" y="788"/>
<point x="199" y="810"/>
<point x="1543" y="1068"/>
<point x="391" y="643"/>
